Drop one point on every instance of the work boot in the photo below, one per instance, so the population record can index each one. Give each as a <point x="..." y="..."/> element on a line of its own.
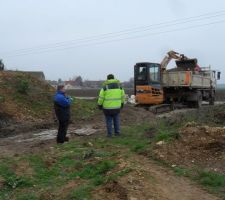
<point x="59" y="142"/>
<point x="66" y="139"/>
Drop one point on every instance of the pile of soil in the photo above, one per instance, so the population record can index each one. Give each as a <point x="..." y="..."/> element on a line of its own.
<point x="131" y="115"/>
<point x="25" y="103"/>
<point x="197" y="145"/>
<point x="24" y="97"/>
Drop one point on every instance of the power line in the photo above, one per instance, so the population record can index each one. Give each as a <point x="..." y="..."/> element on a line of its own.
<point x="89" y="41"/>
<point x="109" y="35"/>
<point x="115" y="34"/>
<point x="122" y="39"/>
<point x="127" y="31"/>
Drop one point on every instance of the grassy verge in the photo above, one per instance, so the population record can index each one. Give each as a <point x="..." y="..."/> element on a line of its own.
<point x="48" y="175"/>
<point x="83" y="109"/>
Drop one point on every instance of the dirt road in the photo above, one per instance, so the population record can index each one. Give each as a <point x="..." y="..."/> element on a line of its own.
<point x="149" y="181"/>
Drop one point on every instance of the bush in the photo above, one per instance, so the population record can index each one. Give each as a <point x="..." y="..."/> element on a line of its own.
<point x="211" y="179"/>
<point x="23" y="86"/>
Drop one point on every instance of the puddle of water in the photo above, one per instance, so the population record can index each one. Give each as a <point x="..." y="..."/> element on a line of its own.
<point x="44" y="135"/>
<point x="219" y="102"/>
<point x="83" y="131"/>
<point x="51" y="134"/>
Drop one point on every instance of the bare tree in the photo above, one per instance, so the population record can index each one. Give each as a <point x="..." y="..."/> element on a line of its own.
<point x="77" y="80"/>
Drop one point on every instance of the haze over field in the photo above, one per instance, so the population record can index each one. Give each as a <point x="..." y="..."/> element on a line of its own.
<point x="94" y="38"/>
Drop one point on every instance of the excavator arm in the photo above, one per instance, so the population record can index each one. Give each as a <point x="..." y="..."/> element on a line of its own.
<point x="169" y="56"/>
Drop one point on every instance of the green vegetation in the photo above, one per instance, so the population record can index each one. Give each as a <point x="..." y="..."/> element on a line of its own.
<point x="2" y="99"/>
<point x="83" y="109"/>
<point x="51" y="171"/>
<point x="25" y="95"/>
<point x="90" y="166"/>
<point x="180" y="171"/>
<point x="23" y="86"/>
<point x="31" y="97"/>
<point x="82" y="192"/>
<point x="212" y="180"/>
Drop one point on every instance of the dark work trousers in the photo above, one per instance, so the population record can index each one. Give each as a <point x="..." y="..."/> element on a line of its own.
<point x="115" y="118"/>
<point x="62" y="130"/>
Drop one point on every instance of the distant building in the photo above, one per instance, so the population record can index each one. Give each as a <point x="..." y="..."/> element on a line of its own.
<point x="53" y="83"/>
<point x="71" y="85"/>
<point x="92" y="84"/>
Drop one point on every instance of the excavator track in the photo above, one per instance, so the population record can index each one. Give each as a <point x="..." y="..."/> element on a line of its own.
<point x="165" y="108"/>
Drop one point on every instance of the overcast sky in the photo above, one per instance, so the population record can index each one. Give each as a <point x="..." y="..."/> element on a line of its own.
<point x="48" y="31"/>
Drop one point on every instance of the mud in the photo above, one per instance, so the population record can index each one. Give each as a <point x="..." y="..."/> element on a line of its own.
<point x="86" y="131"/>
<point x="115" y="189"/>
<point x="147" y="180"/>
<point x="199" y="145"/>
<point x="12" y="128"/>
<point x="19" y="138"/>
<point x="5" y="120"/>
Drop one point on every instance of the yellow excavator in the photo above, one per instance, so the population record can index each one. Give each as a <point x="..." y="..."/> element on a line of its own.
<point x="148" y="79"/>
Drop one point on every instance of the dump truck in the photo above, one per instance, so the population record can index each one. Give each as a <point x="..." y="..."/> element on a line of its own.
<point x="186" y="83"/>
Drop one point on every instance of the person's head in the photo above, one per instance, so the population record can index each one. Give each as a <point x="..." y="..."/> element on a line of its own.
<point x="110" y="76"/>
<point x="61" y="88"/>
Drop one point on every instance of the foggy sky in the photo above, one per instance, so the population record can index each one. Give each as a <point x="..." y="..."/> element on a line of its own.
<point x="29" y="23"/>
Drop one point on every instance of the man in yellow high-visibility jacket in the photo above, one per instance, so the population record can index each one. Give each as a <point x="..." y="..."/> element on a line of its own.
<point x="111" y="100"/>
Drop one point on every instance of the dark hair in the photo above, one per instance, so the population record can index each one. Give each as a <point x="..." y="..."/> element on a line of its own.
<point x="110" y="76"/>
<point x="60" y="87"/>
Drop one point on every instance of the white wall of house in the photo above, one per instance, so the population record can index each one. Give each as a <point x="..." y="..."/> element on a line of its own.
<point x="71" y="87"/>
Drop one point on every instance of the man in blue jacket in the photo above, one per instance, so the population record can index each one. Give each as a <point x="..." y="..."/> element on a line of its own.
<point x="62" y="111"/>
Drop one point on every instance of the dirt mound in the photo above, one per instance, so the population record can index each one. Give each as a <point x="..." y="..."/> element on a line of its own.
<point x="131" y="115"/>
<point x="25" y="103"/>
<point x="197" y="145"/>
<point x="24" y="97"/>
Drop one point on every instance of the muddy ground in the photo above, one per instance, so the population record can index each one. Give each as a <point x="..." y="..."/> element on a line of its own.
<point x="17" y="138"/>
<point x="147" y="180"/>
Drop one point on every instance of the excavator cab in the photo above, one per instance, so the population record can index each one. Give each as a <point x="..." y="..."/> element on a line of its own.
<point x="147" y="83"/>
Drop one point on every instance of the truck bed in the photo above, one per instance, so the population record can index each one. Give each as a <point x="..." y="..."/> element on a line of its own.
<point x="187" y="79"/>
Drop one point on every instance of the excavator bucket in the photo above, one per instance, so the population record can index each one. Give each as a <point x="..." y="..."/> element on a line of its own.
<point x="185" y="64"/>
